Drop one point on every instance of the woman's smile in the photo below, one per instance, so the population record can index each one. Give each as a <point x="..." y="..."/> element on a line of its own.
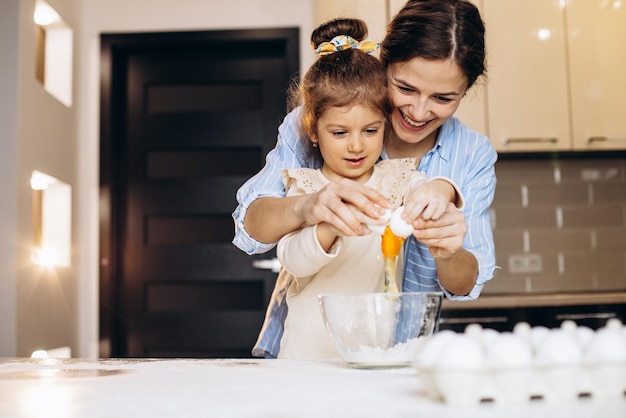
<point x="410" y="123"/>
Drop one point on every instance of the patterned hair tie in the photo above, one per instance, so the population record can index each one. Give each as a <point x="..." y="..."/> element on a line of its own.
<point x="343" y="42"/>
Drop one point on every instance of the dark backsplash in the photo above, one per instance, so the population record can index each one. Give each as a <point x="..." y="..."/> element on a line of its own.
<point x="559" y="223"/>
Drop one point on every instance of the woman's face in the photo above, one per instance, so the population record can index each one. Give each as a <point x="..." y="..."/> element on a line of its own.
<point x="424" y="94"/>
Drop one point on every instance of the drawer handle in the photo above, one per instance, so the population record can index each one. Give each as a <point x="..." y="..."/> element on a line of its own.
<point x="508" y="141"/>
<point x="604" y="315"/>
<point x="481" y="320"/>
<point x="606" y="138"/>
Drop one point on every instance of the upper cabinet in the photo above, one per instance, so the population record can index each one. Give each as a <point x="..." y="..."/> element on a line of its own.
<point x="556" y="74"/>
<point x="527" y="88"/>
<point x="597" y="69"/>
<point x="373" y="12"/>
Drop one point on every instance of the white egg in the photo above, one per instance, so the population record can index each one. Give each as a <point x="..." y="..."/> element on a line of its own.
<point x="569" y="326"/>
<point x="398" y="226"/>
<point x="428" y="356"/>
<point x="380" y="229"/>
<point x="509" y="351"/>
<point x="607" y="346"/>
<point x="474" y="331"/>
<point x="585" y="335"/>
<point x="538" y="333"/>
<point x="614" y="324"/>
<point x="522" y="330"/>
<point x="461" y="353"/>
<point x="559" y="348"/>
<point x="489" y="335"/>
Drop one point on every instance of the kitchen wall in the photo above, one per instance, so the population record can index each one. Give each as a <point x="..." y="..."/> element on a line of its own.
<point x="560" y="223"/>
<point x="37" y="306"/>
<point x="8" y="173"/>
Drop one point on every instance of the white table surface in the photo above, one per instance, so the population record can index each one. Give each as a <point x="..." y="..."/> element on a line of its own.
<point x="71" y="388"/>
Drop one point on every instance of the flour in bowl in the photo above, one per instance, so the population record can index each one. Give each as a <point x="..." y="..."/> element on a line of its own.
<point x="399" y="355"/>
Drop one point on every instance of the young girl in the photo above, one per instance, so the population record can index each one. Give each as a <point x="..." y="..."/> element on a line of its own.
<point x="344" y="114"/>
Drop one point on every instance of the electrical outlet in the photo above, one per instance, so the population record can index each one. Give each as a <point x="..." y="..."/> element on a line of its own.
<point x="525" y="263"/>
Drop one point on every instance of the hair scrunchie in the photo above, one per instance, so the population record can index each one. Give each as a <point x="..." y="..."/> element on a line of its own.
<point x="343" y="42"/>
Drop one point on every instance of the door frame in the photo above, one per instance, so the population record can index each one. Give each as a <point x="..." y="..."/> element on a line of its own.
<point x="114" y="52"/>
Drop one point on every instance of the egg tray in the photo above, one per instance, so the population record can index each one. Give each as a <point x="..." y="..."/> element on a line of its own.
<point x="520" y="385"/>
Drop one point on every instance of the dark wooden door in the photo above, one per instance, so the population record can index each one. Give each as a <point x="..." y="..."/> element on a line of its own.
<point x="187" y="118"/>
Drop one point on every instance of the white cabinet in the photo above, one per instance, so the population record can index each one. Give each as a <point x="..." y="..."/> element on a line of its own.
<point x="556" y="74"/>
<point x="373" y="12"/>
<point x="527" y="89"/>
<point x="597" y="57"/>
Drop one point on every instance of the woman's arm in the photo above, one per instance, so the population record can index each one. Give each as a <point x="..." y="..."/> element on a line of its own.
<point x="462" y="241"/>
<point x="457" y="268"/>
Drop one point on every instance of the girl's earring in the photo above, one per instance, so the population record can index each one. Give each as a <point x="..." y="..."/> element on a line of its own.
<point x="314" y="144"/>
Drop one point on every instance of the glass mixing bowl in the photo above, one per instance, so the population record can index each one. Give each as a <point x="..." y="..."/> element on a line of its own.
<point x="375" y="330"/>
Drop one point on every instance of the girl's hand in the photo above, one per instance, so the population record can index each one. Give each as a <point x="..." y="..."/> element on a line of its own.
<point x="346" y="205"/>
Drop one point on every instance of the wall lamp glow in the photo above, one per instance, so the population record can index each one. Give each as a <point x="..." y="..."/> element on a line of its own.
<point x="45" y="15"/>
<point x="52" y="218"/>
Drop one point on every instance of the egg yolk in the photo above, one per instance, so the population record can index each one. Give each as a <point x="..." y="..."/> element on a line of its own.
<point x="391" y="243"/>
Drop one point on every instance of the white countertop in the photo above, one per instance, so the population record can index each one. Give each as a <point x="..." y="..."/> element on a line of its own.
<point x="72" y="388"/>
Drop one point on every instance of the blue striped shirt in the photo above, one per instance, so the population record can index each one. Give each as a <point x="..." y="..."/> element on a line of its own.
<point x="461" y="154"/>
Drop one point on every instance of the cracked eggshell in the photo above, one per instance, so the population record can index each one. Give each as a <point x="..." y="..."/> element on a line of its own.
<point x="380" y="229"/>
<point x="398" y="226"/>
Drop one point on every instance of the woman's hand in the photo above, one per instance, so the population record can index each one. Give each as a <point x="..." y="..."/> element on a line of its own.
<point x="444" y="235"/>
<point x="428" y="200"/>
<point x="346" y="205"/>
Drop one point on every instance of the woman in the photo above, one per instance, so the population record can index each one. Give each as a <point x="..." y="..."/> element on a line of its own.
<point x="434" y="51"/>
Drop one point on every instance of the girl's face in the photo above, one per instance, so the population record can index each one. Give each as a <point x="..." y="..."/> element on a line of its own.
<point x="424" y="94"/>
<point x="350" y="139"/>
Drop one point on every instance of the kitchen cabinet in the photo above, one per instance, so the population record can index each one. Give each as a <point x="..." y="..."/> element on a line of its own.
<point x="373" y="12"/>
<point x="556" y="72"/>
<point x="527" y="92"/>
<point x="597" y="65"/>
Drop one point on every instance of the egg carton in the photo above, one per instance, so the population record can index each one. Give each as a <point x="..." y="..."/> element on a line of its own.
<point x="520" y="385"/>
<point x="531" y="363"/>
